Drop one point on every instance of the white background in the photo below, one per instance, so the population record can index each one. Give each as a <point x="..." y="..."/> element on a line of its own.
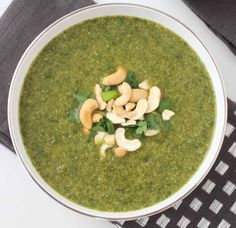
<point x="24" y="205"/>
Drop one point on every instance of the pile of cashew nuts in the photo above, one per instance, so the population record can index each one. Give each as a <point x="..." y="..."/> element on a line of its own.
<point x="125" y="110"/>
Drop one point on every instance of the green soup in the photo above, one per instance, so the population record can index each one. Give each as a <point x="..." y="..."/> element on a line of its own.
<point x="78" y="58"/>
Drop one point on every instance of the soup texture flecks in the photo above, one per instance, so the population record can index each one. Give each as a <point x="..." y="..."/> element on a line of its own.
<point x="77" y="59"/>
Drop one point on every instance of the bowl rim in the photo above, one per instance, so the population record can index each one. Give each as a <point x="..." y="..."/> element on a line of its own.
<point x="11" y="129"/>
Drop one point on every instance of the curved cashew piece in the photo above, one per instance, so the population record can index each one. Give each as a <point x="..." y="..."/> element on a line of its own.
<point x="141" y="118"/>
<point x="96" y="117"/>
<point x="109" y="105"/>
<point x="167" y="114"/>
<point x="103" y="149"/>
<point x="120" y="152"/>
<point x="144" y="85"/>
<point x="109" y="139"/>
<point x="138" y="94"/>
<point x="139" y="111"/>
<point x="116" y="78"/>
<point x="85" y="131"/>
<point x="129" y="123"/>
<point x="115" y="119"/>
<point x="86" y="111"/>
<point x="119" y="111"/>
<point x="153" y="99"/>
<point x="99" y="137"/>
<point x="98" y="93"/>
<point x="126" y="93"/>
<point x="129" y="145"/>
<point x="129" y="106"/>
<point x="151" y="132"/>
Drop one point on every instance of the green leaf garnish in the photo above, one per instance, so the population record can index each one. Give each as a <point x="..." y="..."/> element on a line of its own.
<point x="104" y="125"/>
<point x="167" y="125"/>
<point x="131" y="79"/>
<point x="130" y="132"/>
<point x="109" y="95"/>
<point x="81" y="96"/>
<point x="165" y="103"/>
<point x="110" y="127"/>
<point x="98" y="128"/>
<point x="142" y="127"/>
<point x="158" y="117"/>
<point x="152" y="120"/>
<point x="73" y="116"/>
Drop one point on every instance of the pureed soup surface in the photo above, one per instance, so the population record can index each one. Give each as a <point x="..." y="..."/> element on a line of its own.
<point x="77" y="59"/>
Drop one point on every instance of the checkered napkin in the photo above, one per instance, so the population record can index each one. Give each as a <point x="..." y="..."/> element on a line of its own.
<point x="212" y="204"/>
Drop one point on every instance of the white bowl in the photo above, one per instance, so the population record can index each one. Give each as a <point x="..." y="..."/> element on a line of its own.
<point x="126" y="10"/>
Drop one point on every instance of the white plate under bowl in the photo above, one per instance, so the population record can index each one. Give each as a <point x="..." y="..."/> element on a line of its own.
<point x="124" y="10"/>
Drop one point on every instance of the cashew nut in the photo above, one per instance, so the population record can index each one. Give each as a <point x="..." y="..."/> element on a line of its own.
<point x="109" y="105"/>
<point x="144" y="85"/>
<point x="167" y="114"/>
<point x="138" y="94"/>
<point x="86" y="131"/>
<point x="109" y="139"/>
<point x="86" y="111"/>
<point x="103" y="149"/>
<point x="151" y="132"/>
<point x="120" y="152"/>
<point x="115" y="119"/>
<point x="153" y="99"/>
<point x="116" y="78"/>
<point x="126" y="93"/>
<point x="119" y="110"/>
<point x="99" y="137"/>
<point x="98" y="93"/>
<point x="138" y="112"/>
<point x="129" y="123"/>
<point x="129" y="145"/>
<point x="96" y="117"/>
<point x="129" y="106"/>
<point x="141" y="118"/>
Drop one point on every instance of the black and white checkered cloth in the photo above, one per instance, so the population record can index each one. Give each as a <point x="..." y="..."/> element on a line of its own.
<point x="213" y="203"/>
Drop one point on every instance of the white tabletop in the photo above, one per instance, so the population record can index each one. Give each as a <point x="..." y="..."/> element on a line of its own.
<point x="24" y="205"/>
